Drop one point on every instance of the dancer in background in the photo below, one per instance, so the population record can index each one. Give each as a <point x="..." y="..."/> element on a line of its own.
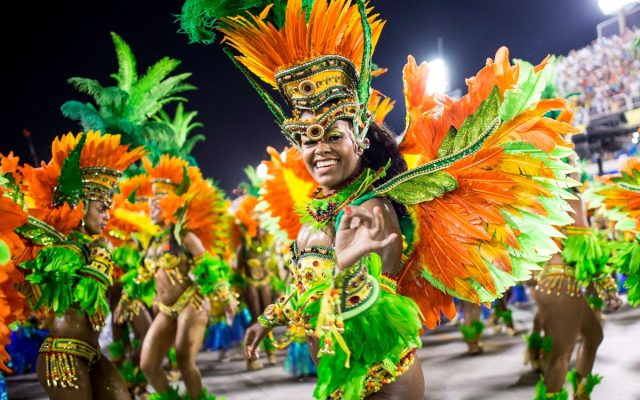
<point x="564" y="312"/>
<point x="71" y="197"/>
<point x="184" y="260"/>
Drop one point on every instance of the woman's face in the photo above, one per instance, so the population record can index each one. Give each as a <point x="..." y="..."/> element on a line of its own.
<point x="154" y="210"/>
<point x="96" y="217"/>
<point x="334" y="158"/>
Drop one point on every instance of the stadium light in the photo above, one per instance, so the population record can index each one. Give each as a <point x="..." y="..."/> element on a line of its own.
<point x="610" y="7"/>
<point x="438" y="79"/>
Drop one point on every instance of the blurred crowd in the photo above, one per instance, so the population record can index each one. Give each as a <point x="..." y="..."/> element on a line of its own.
<point x="605" y="75"/>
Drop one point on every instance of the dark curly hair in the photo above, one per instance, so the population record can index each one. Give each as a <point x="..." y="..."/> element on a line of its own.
<point x="382" y="148"/>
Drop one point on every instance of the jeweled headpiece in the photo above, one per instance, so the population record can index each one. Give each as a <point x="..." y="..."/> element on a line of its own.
<point x="169" y="176"/>
<point x="317" y="56"/>
<point x="90" y="166"/>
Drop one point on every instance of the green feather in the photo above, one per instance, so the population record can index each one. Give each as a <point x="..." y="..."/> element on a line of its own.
<point x="89" y="118"/>
<point x="69" y="188"/>
<point x="364" y="82"/>
<point x="171" y="394"/>
<point x="130" y="108"/>
<point x="199" y="19"/>
<point x="423" y="188"/>
<point x="209" y="272"/>
<point x="526" y="95"/>
<point x="5" y="254"/>
<point x="117" y="349"/>
<point x="127" y="74"/>
<point x="91" y="295"/>
<point x="543" y="394"/>
<point x="252" y="187"/>
<point x="55" y="270"/>
<point x="272" y="104"/>
<point x="472" y="331"/>
<point x="474" y="126"/>
<point x="186" y="182"/>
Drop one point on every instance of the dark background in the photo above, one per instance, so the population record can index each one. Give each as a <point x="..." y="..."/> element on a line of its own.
<point x="71" y="38"/>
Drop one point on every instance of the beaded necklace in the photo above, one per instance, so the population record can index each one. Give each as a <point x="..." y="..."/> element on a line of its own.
<point x="322" y="209"/>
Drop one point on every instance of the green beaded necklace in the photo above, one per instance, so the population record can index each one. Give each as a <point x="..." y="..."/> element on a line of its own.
<point x="322" y="209"/>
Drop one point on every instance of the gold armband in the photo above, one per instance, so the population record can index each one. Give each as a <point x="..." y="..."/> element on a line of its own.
<point x="358" y="290"/>
<point x="278" y="313"/>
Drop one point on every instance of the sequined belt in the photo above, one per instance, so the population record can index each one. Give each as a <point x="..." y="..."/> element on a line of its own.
<point x="558" y="279"/>
<point x="127" y="309"/>
<point x="61" y="367"/>
<point x="190" y="296"/>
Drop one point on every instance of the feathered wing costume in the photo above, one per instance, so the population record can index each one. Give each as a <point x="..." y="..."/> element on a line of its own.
<point x="13" y="304"/>
<point x="485" y="186"/>
<point x="617" y="198"/>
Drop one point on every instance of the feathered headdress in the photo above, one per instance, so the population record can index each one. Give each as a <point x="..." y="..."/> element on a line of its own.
<point x="188" y="201"/>
<point x="83" y="166"/>
<point x="130" y="211"/>
<point x="317" y="56"/>
<point x="90" y="166"/>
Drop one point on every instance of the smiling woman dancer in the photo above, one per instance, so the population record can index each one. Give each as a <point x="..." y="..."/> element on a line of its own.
<point x="392" y="233"/>
<point x="69" y="199"/>
<point x="184" y="262"/>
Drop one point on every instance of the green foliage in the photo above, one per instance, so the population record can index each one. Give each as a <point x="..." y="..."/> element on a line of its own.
<point x="134" y="108"/>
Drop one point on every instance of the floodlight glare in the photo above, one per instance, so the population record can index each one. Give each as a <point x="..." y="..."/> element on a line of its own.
<point x="438" y="80"/>
<point x="609" y="7"/>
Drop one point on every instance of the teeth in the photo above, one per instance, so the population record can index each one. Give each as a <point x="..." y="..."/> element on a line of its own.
<point x="325" y="163"/>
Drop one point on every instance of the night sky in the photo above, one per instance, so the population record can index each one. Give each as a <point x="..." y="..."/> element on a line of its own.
<point x="51" y="45"/>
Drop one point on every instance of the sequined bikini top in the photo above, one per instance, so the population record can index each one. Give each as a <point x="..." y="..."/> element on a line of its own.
<point x="311" y="265"/>
<point x="167" y="261"/>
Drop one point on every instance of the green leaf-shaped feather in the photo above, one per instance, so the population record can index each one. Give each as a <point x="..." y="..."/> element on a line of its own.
<point x="127" y="74"/>
<point x="473" y="127"/>
<point x="186" y="182"/>
<point x="421" y="188"/>
<point x="69" y="188"/>
<point x="528" y="92"/>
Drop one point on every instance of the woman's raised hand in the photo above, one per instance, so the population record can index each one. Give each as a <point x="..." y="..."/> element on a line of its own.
<point x="360" y="233"/>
